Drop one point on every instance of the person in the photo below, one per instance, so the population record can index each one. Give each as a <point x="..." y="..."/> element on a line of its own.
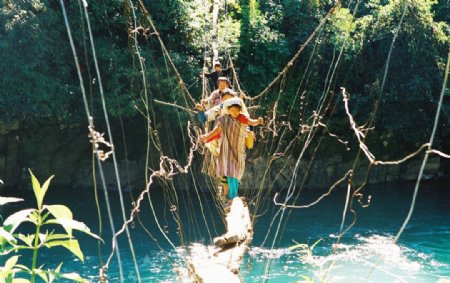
<point x="215" y="97"/>
<point x="218" y="72"/>
<point x="212" y="144"/>
<point x="217" y="110"/>
<point x="231" y="156"/>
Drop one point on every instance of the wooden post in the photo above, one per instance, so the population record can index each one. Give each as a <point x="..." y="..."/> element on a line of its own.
<point x="214" y="31"/>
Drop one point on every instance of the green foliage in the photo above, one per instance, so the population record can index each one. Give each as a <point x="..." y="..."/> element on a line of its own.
<point x="262" y="49"/>
<point x="43" y="216"/>
<point x="39" y="82"/>
<point x="299" y="20"/>
<point x="415" y="69"/>
<point x="28" y="83"/>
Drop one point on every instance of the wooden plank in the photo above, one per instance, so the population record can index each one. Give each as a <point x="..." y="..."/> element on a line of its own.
<point x="221" y="263"/>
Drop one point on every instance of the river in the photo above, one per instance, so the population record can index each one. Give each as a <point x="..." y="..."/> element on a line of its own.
<point x="365" y="253"/>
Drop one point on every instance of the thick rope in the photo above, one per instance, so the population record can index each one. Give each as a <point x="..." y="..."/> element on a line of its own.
<point x="105" y="112"/>
<point x="295" y="57"/>
<point x="88" y="114"/>
<point x="427" y="153"/>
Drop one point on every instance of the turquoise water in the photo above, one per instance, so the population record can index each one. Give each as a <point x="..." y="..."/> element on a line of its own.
<point x="365" y="254"/>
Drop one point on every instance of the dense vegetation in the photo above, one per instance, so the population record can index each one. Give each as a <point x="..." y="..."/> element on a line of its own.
<point x="39" y="82"/>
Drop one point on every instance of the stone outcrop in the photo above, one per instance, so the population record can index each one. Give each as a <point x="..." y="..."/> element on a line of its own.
<point x="63" y="152"/>
<point x="10" y="170"/>
<point x="326" y="171"/>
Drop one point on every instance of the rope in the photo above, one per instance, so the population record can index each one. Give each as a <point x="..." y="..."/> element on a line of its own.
<point x="425" y="159"/>
<point x="105" y="112"/>
<point x="88" y="114"/>
<point x="360" y="136"/>
<point x="175" y="105"/>
<point x="295" y="57"/>
<point x="274" y="141"/>
<point x="177" y="74"/>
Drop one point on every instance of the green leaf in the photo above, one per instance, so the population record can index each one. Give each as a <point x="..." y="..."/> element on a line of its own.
<point x="58" y="269"/>
<point x="52" y="275"/>
<point x="16" y="219"/>
<point x="36" y="188"/>
<point x="5" y="200"/>
<point x="44" y="187"/>
<point x="59" y="211"/>
<point x="41" y="273"/>
<point x="10" y="263"/>
<point x="20" y="280"/>
<point x="6" y="235"/>
<point x="70" y="224"/>
<point x="34" y="217"/>
<point x="27" y="239"/>
<point x="53" y="237"/>
<point x="39" y="191"/>
<point x="72" y="245"/>
<point x="23" y="267"/>
<point x="299" y="246"/>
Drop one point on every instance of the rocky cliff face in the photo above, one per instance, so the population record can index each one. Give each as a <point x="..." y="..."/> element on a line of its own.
<point x="60" y="151"/>
<point x="325" y="172"/>
<point x="10" y="170"/>
<point x="67" y="154"/>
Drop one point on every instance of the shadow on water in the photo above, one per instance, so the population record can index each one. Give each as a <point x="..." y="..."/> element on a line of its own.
<point x="365" y="253"/>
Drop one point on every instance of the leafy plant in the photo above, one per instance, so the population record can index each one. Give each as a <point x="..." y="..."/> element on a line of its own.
<point x="305" y="249"/>
<point x="41" y="217"/>
<point x="305" y="252"/>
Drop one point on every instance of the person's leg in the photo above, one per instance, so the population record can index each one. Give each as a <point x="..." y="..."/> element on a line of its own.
<point x="233" y="185"/>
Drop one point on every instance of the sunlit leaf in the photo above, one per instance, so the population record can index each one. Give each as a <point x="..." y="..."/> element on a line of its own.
<point x="36" y="189"/>
<point x="315" y="244"/>
<point x="58" y="269"/>
<point x="53" y="237"/>
<point x="70" y="224"/>
<point x="5" y="200"/>
<point x="55" y="273"/>
<point x="27" y="239"/>
<point x="34" y="217"/>
<point x="299" y="246"/>
<point x="11" y="262"/>
<point x="72" y="245"/>
<point x="41" y="273"/>
<point x="23" y="267"/>
<point x="59" y="211"/>
<point x="20" y="280"/>
<point x="6" y="235"/>
<point x="45" y="186"/>
<point x="39" y="191"/>
<point x="16" y="219"/>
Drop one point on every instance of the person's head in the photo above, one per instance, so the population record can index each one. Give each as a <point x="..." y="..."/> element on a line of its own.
<point x="234" y="110"/>
<point x="233" y="106"/>
<point x="217" y="66"/>
<point x="223" y="83"/>
<point x="227" y="94"/>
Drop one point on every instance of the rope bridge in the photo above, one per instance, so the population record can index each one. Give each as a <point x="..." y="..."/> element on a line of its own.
<point x="287" y="136"/>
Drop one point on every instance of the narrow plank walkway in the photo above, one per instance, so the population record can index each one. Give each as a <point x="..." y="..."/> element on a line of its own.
<point x="221" y="262"/>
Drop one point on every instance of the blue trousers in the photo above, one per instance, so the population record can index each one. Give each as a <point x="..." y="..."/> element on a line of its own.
<point x="233" y="185"/>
